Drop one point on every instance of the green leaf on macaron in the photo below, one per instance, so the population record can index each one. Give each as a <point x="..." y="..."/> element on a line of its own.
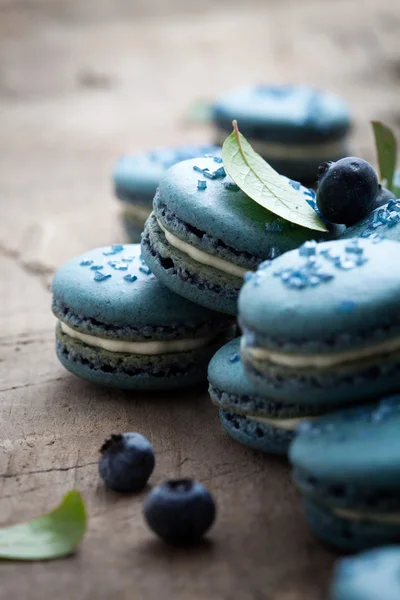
<point x="264" y="185"/>
<point x="53" y="535"/>
<point x="386" y="147"/>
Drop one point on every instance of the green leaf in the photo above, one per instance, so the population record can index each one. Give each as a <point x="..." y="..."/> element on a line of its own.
<point x="264" y="185"/>
<point x="386" y="147"/>
<point x="50" y="536"/>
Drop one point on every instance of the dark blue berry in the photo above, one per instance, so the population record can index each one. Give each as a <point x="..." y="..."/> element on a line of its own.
<point x="180" y="511"/>
<point x="383" y="197"/>
<point x="347" y="190"/>
<point x="126" y="462"/>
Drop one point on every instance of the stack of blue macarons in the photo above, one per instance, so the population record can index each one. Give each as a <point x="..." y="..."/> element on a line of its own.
<point x="296" y="330"/>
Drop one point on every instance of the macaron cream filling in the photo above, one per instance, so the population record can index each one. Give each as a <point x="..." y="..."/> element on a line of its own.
<point x="321" y="152"/>
<point x="355" y="515"/>
<point x="202" y="257"/>
<point x="288" y="424"/>
<point x="153" y="348"/>
<point x="320" y="361"/>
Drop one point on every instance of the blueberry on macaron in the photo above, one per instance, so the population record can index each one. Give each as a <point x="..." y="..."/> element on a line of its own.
<point x="347" y="190"/>
<point x="180" y="511"/>
<point x="126" y="462"/>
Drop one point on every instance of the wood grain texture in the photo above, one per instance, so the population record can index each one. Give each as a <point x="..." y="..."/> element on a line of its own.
<point x="81" y="83"/>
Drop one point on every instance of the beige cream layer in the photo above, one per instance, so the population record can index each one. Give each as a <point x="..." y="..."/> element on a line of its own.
<point x="150" y="348"/>
<point x="202" y="257"/>
<point x="319" y="152"/>
<point x="321" y="361"/>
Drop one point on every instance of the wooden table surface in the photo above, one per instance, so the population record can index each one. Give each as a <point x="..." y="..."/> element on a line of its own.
<point x="80" y="84"/>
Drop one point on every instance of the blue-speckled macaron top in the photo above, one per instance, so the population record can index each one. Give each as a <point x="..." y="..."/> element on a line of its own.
<point x="199" y="193"/>
<point x="113" y="286"/>
<point x="136" y="177"/>
<point x="358" y="446"/>
<point x="381" y="222"/>
<point x="284" y="113"/>
<point x="333" y="295"/>
<point x="372" y="575"/>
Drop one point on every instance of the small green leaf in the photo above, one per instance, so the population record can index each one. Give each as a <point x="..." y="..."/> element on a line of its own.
<point x="50" y="536"/>
<point x="386" y="147"/>
<point x="264" y="185"/>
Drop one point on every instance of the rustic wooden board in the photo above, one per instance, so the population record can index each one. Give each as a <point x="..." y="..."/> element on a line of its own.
<point x="81" y="83"/>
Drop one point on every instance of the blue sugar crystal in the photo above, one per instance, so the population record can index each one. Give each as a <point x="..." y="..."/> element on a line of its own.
<point x="308" y="248"/>
<point x="201" y="184"/>
<point x="118" y="266"/>
<point x="234" y="358"/>
<point x="354" y="247"/>
<point x="208" y="156"/>
<point x="367" y="233"/>
<point x="219" y="173"/>
<point x="393" y="205"/>
<point x="309" y="275"/>
<point x="210" y="175"/>
<point x="130" y="278"/>
<point x="347" y="306"/>
<point x="230" y="185"/>
<point x="115" y="249"/>
<point x="376" y="238"/>
<point x="86" y="262"/>
<point x="309" y="192"/>
<point x="145" y="269"/>
<point x="99" y="276"/>
<point x="248" y="275"/>
<point x="295" y="184"/>
<point x="206" y="172"/>
<point x="217" y="159"/>
<point x="128" y="259"/>
<point x="96" y="267"/>
<point x="275" y="226"/>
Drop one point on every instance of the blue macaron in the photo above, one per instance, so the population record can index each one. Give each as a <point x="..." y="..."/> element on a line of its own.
<point x="204" y="233"/>
<point x="249" y="418"/>
<point x="136" y="178"/>
<point x="321" y="323"/>
<point x="383" y="222"/>
<point x="295" y="128"/>
<point x="347" y="466"/>
<point x="371" y="575"/>
<point x="118" y="326"/>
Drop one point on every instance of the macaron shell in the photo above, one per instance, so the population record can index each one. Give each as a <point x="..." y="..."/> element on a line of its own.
<point x="346" y="535"/>
<point x="283" y="113"/>
<point x="381" y="222"/>
<point x="349" y="383"/>
<point x="358" y="446"/>
<point x="137" y="176"/>
<point x="114" y="286"/>
<point x="372" y="575"/>
<point x="343" y="292"/>
<point x="133" y="371"/>
<point x="258" y="436"/>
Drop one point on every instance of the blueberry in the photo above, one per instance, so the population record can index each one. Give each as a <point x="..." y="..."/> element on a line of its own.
<point x="126" y="462"/>
<point x="346" y="190"/>
<point x="383" y="197"/>
<point x="180" y="511"/>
